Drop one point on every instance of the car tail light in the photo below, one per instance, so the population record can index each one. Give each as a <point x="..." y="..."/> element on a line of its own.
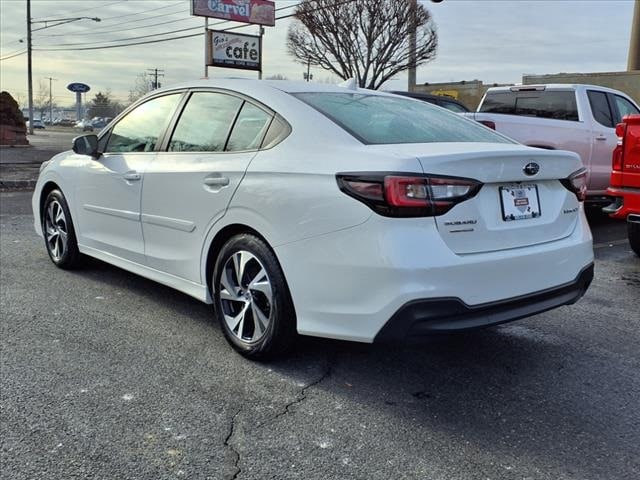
<point x="577" y="183"/>
<point x="617" y="159"/>
<point x="400" y="195"/>
<point x="488" y="123"/>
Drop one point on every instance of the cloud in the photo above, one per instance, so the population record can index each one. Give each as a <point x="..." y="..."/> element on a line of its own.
<point x="495" y="41"/>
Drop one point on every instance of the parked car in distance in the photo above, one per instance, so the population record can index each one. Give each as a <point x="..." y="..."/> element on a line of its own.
<point x="100" y="122"/>
<point x="64" y="122"/>
<point x="85" y="125"/>
<point x="37" y="124"/>
<point x="321" y="210"/>
<point x="441" y="100"/>
<point x="625" y="178"/>
<point x="578" y="118"/>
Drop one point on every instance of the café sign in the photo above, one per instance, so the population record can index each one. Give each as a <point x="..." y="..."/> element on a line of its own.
<point x="259" y="12"/>
<point x="234" y="50"/>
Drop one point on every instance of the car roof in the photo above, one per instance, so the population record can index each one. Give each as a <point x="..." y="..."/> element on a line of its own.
<point x="423" y="95"/>
<point x="248" y="85"/>
<point x="551" y="86"/>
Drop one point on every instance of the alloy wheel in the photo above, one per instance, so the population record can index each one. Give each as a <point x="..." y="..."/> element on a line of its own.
<point x="56" y="230"/>
<point x="246" y="296"/>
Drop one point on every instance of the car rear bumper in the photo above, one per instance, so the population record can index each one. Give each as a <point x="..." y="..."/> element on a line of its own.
<point x="348" y="284"/>
<point x="445" y="315"/>
<point x="625" y="201"/>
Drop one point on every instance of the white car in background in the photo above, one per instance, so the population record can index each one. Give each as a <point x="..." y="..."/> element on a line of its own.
<point x="321" y="210"/>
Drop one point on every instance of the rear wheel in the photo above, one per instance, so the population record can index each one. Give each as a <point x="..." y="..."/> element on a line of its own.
<point x="59" y="234"/>
<point x="252" y="301"/>
<point x="633" y="231"/>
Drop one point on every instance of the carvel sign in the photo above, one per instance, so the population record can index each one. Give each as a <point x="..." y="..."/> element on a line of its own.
<point x="261" y="12"/>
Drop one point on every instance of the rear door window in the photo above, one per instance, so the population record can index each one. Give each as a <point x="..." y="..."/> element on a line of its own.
<point x="205" y="123"/>
<point x="558" y="105"/>
<point x="600" y="108"/>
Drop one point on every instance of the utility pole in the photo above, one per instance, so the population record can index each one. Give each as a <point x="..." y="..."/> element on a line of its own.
<point x="206" y="47"/>
<point x="29" y="71"/>
<point x="633" y="62"/>
<point x="413" y="6"/>
<point x="308" y="76"/>
<point x="155" y="74"/>
<point x="54" y="23"/>
<point x="50" y="100"/>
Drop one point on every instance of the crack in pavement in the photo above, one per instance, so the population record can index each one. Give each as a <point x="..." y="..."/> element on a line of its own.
<point x="302" y="394"/>
<point x="235" y="454"/>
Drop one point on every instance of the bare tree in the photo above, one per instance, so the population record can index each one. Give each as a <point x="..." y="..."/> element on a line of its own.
<point x="41" y="100"/>
<point x="141" y="87"/>
<point x="363" y="39"/>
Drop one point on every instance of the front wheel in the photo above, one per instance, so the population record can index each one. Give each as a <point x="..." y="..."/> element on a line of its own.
<point x="59" y="234"/>
<point x="252" y="300"/>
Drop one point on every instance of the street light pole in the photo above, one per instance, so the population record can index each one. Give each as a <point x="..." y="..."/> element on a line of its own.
<point x="29" y="71"/>
<point x="56" y="22"/>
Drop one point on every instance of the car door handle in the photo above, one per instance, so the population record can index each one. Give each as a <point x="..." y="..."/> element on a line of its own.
<point x="132" y="176"/>
<point x="216" y="181"/>
<point x="602" y="139"/>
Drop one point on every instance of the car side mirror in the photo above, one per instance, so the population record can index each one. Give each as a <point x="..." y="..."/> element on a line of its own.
<point x="86" y="145"/>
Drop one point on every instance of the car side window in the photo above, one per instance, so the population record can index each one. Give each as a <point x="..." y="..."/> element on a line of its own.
<point x="139" y="130"/>
<point x="205" y="123"/>
<point x="625" y="107"/>
<point x="454" y="107"/>
<point x="499" y="102"/>
<point x="600" y="108"/>
<point x="278" y="130"/>
<point x="249" y="129"/>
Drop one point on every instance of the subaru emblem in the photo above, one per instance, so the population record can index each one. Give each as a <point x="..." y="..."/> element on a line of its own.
<point x="531" y="168"/>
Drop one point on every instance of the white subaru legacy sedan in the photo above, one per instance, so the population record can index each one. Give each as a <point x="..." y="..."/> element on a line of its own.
<point x="300" y="208"/>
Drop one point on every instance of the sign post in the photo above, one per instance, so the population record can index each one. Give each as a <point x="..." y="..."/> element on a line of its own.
<point x="229" y="50"/>
<point x="78" y="89"/>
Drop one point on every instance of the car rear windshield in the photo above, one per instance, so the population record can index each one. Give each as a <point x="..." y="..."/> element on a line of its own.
<point x="559" y="105"/>
<point x="375" y="119"/>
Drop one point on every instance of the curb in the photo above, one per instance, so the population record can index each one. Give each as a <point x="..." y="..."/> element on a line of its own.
<point x="17" y="184"/>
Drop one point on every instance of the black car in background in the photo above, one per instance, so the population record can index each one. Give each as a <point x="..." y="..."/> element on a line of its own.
<point x="440" y="100"/>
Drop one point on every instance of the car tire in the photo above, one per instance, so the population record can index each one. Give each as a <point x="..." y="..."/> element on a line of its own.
<point x="252" y="300"/>
<point x="633" y="232"/>
<point x="59" y="234"/>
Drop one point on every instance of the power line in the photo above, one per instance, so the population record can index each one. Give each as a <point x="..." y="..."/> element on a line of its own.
<point x="117" y="46"/>
<point x="159" y="40"/>
<point x="141" y="13"/>
<point x="130" y="38"/>
<point x="100" y="32"/>
<point x="16" y="54"/>
<point x="92" y="8"/>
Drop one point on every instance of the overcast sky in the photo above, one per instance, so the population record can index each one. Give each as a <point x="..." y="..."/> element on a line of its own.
<point x="494" y="41"/>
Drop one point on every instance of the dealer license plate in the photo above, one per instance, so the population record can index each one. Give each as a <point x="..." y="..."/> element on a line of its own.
<point x="519" y="202"/>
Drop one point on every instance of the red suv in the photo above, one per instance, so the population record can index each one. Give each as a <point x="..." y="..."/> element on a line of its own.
<point x="625" y="178"/>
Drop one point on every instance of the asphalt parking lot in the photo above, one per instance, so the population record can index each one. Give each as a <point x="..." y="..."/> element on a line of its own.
<point x="107" y="375"/>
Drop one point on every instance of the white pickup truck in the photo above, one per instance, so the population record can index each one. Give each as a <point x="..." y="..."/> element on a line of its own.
<point x="579" y="118"/>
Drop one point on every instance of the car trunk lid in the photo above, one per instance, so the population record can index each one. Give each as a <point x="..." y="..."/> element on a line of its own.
<point x="522" y="201"/>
